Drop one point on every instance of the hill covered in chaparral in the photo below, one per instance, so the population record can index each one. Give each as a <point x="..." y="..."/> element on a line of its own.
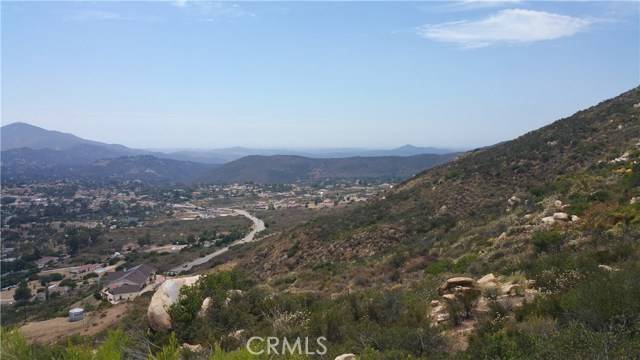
<point x="289" y="169"/>
<point x="486" y="203"/>
<point x="543" y="229"/>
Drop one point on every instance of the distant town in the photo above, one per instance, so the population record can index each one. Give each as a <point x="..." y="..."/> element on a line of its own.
<point x="77" y="243"/>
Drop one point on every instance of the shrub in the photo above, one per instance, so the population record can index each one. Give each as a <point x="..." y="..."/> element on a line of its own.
<point x="90" y="275"/>
<point x="68" y="282"/>
<point x="170" y="351"/>
<point x="438" y="267"/>
<point x="547" y="241"/>
<point x="463" y="263"/>
<point x="23" y="292"/>
<point x="14" y="345"/>
<point x="293" y="249"/>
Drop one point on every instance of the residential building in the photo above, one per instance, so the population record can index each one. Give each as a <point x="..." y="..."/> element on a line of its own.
<point x="128" y="284"/>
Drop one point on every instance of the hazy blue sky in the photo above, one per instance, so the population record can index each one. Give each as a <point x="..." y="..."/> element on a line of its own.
<point x="301" y="74"/>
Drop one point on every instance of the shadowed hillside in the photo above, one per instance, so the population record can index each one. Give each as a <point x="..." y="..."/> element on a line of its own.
<point x="289" y="169"/>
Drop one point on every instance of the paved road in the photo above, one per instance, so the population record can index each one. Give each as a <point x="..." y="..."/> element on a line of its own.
<point x="258" y="225"/>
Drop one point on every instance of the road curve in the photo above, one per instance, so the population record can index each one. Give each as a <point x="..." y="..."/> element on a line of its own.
<point x="258" y="225"/>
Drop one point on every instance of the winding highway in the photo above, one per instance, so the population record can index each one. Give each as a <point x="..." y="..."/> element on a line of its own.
<point x="258" y="225"/>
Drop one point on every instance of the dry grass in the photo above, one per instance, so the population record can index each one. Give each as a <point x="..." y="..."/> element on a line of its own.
<point x="56" y="329"/>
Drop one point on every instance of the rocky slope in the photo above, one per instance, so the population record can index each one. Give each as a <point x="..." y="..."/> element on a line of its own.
<point x="482" y="210"/>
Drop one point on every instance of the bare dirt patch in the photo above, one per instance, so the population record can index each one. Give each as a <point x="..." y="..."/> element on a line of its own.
<point x="53" y="330"/>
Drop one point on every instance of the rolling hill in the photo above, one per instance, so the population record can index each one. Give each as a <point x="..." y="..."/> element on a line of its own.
<point x="290" y="169"/>
<point x="26" y="165"/>
<point x="219" y="156"/>
<point x="32" y="153"/>
<point x="30" y="144"/>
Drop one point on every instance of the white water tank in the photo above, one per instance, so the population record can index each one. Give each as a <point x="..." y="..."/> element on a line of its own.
<point x="76" y="314"/>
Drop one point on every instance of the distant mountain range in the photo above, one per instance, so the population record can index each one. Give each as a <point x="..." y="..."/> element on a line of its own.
<point x="21" y="135"/>
<point x="36" y="146"/>
<point x="288" y="169"/>
<point x="32" y="153"/>
<point x="218" y="156"/>
<point x="26" y="165"/>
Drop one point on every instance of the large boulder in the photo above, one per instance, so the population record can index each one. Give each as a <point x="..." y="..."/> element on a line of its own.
<point x="456" y="282"/>
<point x="487" y="280"/>
<point x="346" y="357"/>
<point x="511" y="289"/>
<point x="439" y="312"/>
<point x="166" y="295"/>
<point x="231" y="294"/>
<point x="197" y="348"/>
<point x="206" y="304"/>
<point x="449" y="297"/>
<point x="514" y="200"/>
<point x="607" y="268"/>
<point x="562" y="216"/>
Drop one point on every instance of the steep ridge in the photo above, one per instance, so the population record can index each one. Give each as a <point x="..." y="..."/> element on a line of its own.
<point x="20" y="135"/>
<point x="486" y="205"/>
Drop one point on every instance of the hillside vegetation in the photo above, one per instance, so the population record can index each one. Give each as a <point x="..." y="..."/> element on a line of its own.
<point x="487" y="204"/>
<point x="554" y="216"/>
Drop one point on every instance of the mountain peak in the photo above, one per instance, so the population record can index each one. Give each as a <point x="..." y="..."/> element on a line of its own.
<point x="20" y="124"/>
<point x="407" y="147"/>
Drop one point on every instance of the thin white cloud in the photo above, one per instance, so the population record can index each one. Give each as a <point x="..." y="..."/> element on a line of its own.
<point x="210" y="10"/>
<point x="96" y="15"/>
<point x="470" y="5"/>
<point x="220" y="9"/>
<point x="489" y="2"/>
<point x="509" y="26"/>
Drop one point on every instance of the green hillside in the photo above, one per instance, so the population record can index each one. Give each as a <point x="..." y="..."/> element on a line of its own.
<point x="524" y="250"/>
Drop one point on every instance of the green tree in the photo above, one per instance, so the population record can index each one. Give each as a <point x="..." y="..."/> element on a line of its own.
<point x="171" y="351"/>
<point x="113" y="347"/>
<point x="23" y="293"/>
<point x="191" y="239"/>
<point x="145" y="239"/>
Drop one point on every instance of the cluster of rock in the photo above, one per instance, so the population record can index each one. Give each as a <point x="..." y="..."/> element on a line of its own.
<point x="509" y="294"/>
<point x="166" y="295"/>
<point x="513" y="201"/>
<point x="556" y="212"/>
<point x="559" y="215"/>
<point x="622" y="158"/>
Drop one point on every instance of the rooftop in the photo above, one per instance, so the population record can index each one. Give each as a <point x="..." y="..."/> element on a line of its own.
<point x="137" y="274"/>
